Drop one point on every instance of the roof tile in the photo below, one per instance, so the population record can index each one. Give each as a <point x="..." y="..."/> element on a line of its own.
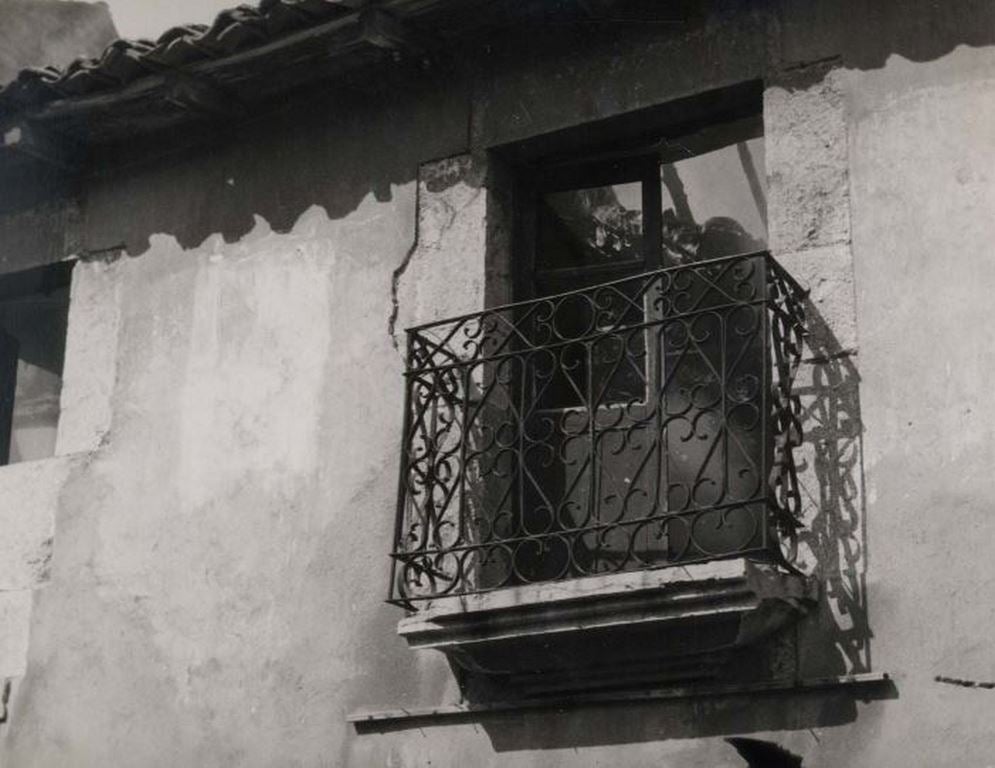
<point x="125" y="61"/>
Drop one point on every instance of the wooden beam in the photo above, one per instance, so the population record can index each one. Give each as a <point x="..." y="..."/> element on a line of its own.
<point x="38" y="143"/>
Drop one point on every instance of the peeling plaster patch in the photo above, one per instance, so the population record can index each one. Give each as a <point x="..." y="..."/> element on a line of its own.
<point x="105" y="255"/>
<point x="448" y="252"/>
<point x="41" y="561"/>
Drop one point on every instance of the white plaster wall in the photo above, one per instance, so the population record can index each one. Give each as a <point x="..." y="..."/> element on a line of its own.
<point x="204" y="576"/>
<point x="923" y="182"/>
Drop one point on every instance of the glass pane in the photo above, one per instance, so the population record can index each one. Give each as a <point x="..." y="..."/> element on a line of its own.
<point x="715" y="204"/>
<point x="590" y="227"/>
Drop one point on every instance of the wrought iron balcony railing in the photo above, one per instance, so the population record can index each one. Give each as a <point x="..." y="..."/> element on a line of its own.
<point x="642" y="423"/>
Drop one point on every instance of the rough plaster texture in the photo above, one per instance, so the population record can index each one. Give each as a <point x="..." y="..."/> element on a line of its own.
<point x="827" y="274"/>
<point x="219" y="563"/>
<point x="40" y="33"/>
<point x="541" y="82"/>
<point x="922" y="245"/>
<point x="205" y="606"/>
<point x="806" y="156"/>
<point x="444" y="275"/>
<point x="808" y="167"/>
<point x="204" y="586"/>
<point x="31" y="492"/>
<point x="90" y="365"/>
<point x="15" y="615"/>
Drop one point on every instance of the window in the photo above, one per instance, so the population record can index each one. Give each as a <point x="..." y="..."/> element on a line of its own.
<point x="630" y="411"/>
<point x="34" y="309"/>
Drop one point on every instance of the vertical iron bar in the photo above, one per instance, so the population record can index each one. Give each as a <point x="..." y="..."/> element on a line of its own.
<point x="461" y="537"/>
<point x="520" y="469"/>
<point x="766" y="424"/>
<point x="724" y="388"/>
<point x="402" y="495"/>
<point x="594" y="506"/>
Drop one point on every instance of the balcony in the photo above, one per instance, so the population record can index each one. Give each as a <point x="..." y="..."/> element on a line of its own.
<point x="631" y="426"/>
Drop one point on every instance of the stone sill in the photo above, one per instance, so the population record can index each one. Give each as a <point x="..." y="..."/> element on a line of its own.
<point x="666" y="595"/>
<point x="387" y="719"/>
<point x="668" y="626"/>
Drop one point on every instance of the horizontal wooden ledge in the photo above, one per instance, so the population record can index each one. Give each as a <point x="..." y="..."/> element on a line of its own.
<point x="373" y="720"/>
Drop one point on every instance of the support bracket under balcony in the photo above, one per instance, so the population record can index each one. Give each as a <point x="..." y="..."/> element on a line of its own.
<point x="669" y="626"/>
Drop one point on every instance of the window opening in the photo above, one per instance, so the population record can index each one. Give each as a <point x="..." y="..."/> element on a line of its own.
<point x="664" y="435"/>
<point x="633" y="409"/>
<point x="34" y="314"/>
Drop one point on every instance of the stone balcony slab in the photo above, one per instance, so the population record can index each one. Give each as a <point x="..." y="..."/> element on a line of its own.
<point x="667" y="625"/>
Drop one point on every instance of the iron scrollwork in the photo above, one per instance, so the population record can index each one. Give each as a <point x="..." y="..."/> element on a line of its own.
<point x="642" y="423"/>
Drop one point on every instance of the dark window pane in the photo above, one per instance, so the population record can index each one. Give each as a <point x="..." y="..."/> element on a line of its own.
<point x="597" y="226"/>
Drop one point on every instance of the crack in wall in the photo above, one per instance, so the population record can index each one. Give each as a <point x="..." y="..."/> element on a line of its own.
<point x="398" y="273"/>
<point x="965" y="683"/>
<point x="451" y="214"/>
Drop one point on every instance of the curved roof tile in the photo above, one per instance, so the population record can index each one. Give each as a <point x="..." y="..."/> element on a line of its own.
<point x="125" y="61"/>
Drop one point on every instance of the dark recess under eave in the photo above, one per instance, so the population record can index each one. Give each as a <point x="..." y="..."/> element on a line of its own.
<point x="250" y="58"/>
<point x="222" y="72"/>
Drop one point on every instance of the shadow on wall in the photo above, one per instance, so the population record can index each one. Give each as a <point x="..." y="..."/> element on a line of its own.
<point x="865" y="33"/>
<point x="628" y="724"/>
<point x="218" y="180"/>
<point x="833" y="640"/>
<point x="640" y="722"/>
<point x="832" y="543"/>
<point x="365" y="138"/>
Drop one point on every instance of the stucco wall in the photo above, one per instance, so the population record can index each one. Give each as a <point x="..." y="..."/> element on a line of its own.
<point x="232" y="398"/>
<point x="225" y="493"/>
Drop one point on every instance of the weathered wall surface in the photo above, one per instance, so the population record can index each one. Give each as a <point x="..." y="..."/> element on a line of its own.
<point x="923" y="184"/>
<point x="231" y="403"/>
<point x="224" y="497"/>
<point x="41" y="33"/>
